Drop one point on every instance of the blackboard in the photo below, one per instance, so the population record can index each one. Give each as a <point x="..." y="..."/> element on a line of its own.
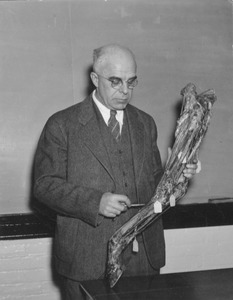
<point x="46" y="53"/>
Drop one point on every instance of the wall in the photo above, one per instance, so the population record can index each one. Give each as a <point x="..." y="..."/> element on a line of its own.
<point x="36" y="80"/>
<point x="25" y="265"/>
<point x="203" y="248"/>
<point x="25" y="270"/>
<point x="45" y="52"/>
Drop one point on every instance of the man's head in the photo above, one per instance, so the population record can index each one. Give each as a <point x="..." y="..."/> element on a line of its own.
<point x="114" y="75"/>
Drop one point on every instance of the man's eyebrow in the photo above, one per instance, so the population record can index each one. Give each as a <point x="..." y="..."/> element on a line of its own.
<point x="116" y="77"/>
<point x="132" y="78"/>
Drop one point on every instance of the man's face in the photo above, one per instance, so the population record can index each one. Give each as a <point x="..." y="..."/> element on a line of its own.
<point x="118" y="67"/>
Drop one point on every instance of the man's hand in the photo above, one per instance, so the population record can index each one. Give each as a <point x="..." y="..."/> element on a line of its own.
<point x="112" y="205"/>
<point x="190" y="170"/>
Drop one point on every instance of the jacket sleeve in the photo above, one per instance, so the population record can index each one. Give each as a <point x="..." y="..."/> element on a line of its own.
<point x="51" y="186"/>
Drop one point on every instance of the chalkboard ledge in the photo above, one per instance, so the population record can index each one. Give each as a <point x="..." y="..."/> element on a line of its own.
<point x="37" y="225"/>
<point x="25" y="226"/>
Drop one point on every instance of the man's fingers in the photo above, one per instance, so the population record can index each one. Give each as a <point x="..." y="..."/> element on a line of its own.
<point x="181" y="179"/>
<point x="198" y="169"/>
<point x="169" y="153"/>
<point x="112" y="205"/>
<point x="122" y="200"/>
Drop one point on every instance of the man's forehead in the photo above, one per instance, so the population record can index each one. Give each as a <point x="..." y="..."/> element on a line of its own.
<point x="120" y="68"/>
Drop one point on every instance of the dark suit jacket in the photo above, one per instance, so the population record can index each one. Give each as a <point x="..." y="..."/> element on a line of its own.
<point x="72" y="172"/>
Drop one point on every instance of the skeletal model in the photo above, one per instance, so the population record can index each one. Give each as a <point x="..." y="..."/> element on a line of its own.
<point x="190" y="131"/>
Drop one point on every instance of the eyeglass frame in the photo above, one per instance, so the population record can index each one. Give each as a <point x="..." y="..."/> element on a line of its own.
<point x="120" y="84"/>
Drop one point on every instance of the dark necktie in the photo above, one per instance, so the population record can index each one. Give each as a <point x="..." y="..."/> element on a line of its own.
<point x="114" y="125"/>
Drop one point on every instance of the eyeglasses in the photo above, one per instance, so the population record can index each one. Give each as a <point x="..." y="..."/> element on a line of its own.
<point x="117" y="82"/>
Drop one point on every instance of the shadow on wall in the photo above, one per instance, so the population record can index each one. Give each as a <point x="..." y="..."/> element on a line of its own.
<point x="177" y="111"/>
<point x="90" y="86"/>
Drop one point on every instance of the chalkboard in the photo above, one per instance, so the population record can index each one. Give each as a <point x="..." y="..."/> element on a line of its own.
<point x="46" y="53"/>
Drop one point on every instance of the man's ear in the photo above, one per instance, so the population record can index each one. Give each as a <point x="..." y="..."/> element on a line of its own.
<point x="94" y="78"/>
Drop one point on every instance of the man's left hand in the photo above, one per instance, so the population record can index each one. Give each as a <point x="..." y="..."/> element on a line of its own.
<point x="190" y="170"/>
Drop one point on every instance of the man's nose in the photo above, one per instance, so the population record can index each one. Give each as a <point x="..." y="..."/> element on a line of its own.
<point x="124" y="87"/>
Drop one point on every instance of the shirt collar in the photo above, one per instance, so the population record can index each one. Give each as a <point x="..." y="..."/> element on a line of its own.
<point x="105" y="112"/>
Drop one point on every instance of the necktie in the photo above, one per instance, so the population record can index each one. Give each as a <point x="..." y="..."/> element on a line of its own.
<point x="114" y="125"/>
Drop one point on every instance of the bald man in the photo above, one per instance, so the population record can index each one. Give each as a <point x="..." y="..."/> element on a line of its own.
<point x="94" y="160"/>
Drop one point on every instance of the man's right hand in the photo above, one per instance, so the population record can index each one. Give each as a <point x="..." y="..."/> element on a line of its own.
<point x="112" y="205"/>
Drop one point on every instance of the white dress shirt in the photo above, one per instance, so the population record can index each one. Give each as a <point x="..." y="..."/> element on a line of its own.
<point x="105" y="112"/>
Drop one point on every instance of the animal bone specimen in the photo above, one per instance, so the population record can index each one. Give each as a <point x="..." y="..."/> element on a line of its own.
<point x="190" y="131"/>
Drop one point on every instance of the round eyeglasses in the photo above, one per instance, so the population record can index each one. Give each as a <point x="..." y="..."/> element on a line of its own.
<point x="117" y="82"/>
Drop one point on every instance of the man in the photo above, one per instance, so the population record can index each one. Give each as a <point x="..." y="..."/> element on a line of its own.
<point x="93" y="161"/>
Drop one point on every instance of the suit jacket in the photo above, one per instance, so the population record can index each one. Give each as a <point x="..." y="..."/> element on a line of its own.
<point x="72" y="172"/>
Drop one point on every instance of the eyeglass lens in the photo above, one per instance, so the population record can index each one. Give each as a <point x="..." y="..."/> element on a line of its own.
<point x="117" y="82"/>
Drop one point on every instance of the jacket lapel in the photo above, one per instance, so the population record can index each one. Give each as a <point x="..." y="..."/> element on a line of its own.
<point x="91" y="135"/>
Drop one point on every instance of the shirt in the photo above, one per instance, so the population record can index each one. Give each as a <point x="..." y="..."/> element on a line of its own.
<point x="105" y="112"/>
